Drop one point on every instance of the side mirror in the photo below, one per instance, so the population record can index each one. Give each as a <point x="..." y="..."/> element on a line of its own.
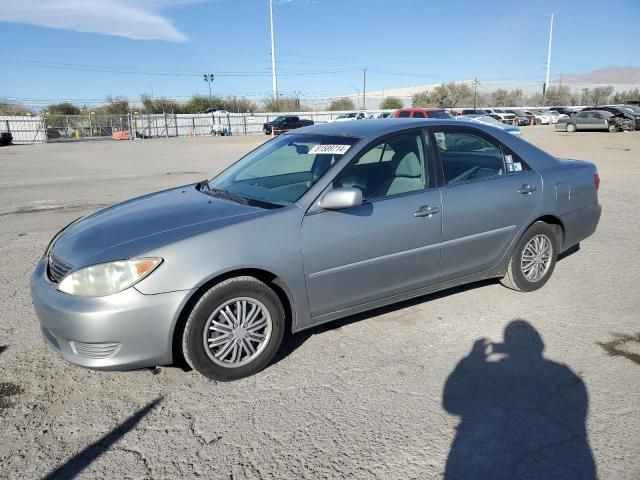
<point x="339" y="198"/>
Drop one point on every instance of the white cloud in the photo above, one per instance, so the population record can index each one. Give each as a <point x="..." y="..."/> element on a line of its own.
<point x="137" y="19"/>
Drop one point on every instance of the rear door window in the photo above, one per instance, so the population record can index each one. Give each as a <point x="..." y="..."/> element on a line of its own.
<point x="418" y="115"/>
<point x="467" y="156"/>
<point x="403" y="114"/>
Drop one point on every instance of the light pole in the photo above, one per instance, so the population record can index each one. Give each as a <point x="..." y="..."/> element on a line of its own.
<point x="475" y="91"/>
<point x="209" y="79"/>
<point x="274" y="78"/>
<point x="546" y="83"/>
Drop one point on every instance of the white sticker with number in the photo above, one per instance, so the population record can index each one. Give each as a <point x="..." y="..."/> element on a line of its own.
<point x="330" y="149"/>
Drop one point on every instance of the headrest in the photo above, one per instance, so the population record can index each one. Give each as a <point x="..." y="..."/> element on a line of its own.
<point x="409" y="166"/>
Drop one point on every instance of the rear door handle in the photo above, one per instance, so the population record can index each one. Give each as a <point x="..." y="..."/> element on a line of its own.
<point x="426" y="211"/>
<point x="524" y="189"/>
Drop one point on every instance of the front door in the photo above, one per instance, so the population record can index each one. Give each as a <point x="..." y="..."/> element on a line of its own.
<point x="388" y="245"/>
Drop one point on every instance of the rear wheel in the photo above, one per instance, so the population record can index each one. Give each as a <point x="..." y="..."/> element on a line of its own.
<point x="533" y="260"/>
<point x="571" y="127"/>
<point x="234" y="330"/>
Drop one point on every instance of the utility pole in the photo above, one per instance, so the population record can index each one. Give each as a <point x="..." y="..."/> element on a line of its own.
<point x="475" y="91"/>
<point x="546" y="83"/>
<point x="209" y="77"/>
<point x="364" y="88"/>
<point x="274" y="78"/>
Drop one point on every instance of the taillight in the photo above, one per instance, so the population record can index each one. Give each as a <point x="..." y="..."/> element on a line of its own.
<point x="596" y="181"/>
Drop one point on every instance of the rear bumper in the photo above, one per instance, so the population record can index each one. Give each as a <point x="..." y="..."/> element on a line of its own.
<point x="118" y="332"/>
<point x="580" y="224"/>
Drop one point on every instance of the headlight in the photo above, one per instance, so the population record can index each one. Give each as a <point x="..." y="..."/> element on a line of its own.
<point x="108" y="278"/>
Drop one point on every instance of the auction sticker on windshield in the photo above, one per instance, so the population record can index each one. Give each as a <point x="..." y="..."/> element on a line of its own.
<point x="332" y="149"/>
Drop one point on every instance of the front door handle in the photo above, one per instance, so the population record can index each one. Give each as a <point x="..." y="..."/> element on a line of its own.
<point x="525" y="189"/>
<point x="426" y="211"/>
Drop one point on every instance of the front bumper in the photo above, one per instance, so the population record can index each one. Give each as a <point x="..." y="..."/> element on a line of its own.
<point x="117" y="332"/>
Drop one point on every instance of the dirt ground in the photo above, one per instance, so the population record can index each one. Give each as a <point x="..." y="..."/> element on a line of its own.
<point x="361" y="398"/>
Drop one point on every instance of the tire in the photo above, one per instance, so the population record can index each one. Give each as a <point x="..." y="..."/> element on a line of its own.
<point x="239" y="361"/>
<point x="520" y="278"/>
<point x="538" y="121"/>
<point x="613" y="128"/>
<point x="571" y="127"/>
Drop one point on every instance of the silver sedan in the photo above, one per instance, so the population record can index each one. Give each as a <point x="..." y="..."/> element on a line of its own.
<point x="312" y="226"/>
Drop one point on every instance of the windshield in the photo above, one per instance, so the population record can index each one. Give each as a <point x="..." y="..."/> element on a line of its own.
<point x="440" y="114"/>
<point x="279" y="172"/>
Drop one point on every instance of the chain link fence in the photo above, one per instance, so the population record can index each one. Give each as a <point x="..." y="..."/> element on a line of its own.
<point x="56" y="128"/>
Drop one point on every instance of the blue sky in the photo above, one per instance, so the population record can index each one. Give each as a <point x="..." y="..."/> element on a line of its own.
<point x="84" y="50"/>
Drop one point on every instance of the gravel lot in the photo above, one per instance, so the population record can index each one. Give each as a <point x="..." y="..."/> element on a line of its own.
<point x="361" y="398"/>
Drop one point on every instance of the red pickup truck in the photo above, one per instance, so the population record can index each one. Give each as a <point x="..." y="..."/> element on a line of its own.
<point x="421" y="113"/>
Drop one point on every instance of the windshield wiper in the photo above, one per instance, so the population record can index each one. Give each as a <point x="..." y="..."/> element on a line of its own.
<point x="228" y="195"/>
<point x="203" y="185"/>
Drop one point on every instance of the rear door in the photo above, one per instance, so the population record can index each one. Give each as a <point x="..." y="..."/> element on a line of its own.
<point x="488" y="195"/>
<point x="388" y="245"/>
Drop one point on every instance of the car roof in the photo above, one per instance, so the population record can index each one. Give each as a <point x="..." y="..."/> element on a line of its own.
<point x="369" y="128"/>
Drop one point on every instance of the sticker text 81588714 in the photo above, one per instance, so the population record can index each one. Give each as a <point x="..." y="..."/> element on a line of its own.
<point x="331" y="149"/>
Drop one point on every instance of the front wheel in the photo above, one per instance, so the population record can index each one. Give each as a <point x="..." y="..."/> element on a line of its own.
<point x="571" y="127"/>
<point x="533" y="260"/>
<point x="234" y="330"/>
<point x="613" y="128"/>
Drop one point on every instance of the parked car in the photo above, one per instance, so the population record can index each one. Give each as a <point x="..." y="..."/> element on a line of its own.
<point x="619" y="110"/>
<point x="347" y="117"/>
<point x="479" y="113"/>
<point x="419" y="112"/>
<point x="314" y="225"/>
<point x="564" y="110"/>
<point x="487" y="120"/>
<point x="541" y="117"/>
<point x="522" y="118"/>
<point x="502" y="114"/>
<point x="586" y="120"/>
<point x="284" y="124"/>
<point x="384" y="115"/>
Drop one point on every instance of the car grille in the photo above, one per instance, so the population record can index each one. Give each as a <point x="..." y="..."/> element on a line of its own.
<point x="57" y="269"/>
<point x="94" y="350"/>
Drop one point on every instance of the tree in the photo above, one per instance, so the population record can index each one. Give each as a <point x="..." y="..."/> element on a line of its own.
<point x="240" y="105"/>
<point x="596" y="96"/>
<point x="422" y="99"/>
<point x="391" y="103"/>
<point x="160" y="105"/>
<point x="64" y="108"/>
<point x="284" y="104"/>
<point x="625" y="96"/>
<point x="447" y="95"/>
<point x="114" y="106"/>
<point x="341" y="104"/>
<point x="558" y="96"/>
<point x="12" y="109"/>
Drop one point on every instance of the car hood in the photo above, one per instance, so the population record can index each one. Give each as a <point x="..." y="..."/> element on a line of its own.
<point x="133" y="227"/>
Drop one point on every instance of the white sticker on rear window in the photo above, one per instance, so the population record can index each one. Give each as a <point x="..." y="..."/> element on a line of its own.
<point x="331" y="149"/>
<point x="508" y="158"/>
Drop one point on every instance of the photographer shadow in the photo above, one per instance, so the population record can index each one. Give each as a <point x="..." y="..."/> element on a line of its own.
<point x="522" y="416"/>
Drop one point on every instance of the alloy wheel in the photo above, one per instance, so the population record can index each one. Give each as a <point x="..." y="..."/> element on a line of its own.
<point x="237" y="332"/>
<point x="536" y="258"/>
